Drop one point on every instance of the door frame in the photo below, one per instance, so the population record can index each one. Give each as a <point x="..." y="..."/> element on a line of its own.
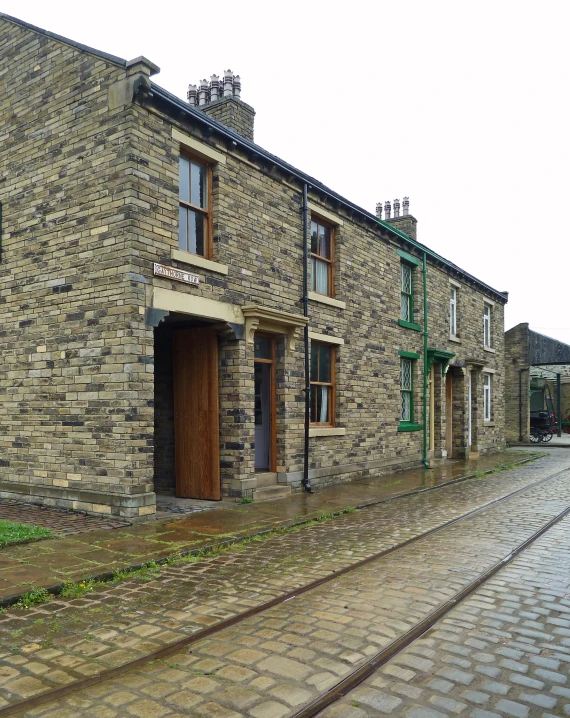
<point x="272" y="399"/>
<point x="469" y="410"/>
<point x="449" y="414"/>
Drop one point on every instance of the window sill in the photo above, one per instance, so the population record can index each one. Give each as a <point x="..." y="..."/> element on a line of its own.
<point x="323" y="299"/>
<point x="409" y="325"/>
<point x="326" y="431"/>
<point x="489" y="349"/>
<point x="195" y="260"/>
<point x="453" y="338"/>
<point x="406" y="426"/>
<point x="488" y="423"/>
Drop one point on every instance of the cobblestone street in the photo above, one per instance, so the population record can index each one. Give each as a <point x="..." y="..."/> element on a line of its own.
<point x="505" y="648"/>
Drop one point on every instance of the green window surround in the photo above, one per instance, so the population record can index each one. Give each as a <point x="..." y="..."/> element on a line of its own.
<point x="409" y="355"/>
<point x="407" y="370"/>
<point x="408" y="263"/>
<point x="409" y="325"/>
<point x="410" y="259"/>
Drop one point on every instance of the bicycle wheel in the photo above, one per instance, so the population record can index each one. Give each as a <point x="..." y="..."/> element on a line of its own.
<point x="547" y="436"/>
<point x="535" y="438"/>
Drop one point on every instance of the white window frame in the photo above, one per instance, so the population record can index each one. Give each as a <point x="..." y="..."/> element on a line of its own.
<point x="453" y="311"/>
<point x="487" y="389"/>
<point x="487" y="314"/>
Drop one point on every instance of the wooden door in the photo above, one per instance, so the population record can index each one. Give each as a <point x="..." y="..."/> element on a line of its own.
<point x="196" y="414"/>
<point x="449" y="414"/>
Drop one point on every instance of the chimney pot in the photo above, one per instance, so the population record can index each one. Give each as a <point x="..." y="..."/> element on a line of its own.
<point x="237" y="86"/>
<point x="192" y="95"/>
<point x="379" y="210"/>
<point x="228" y="83"/>
<point x="406" y="206"/>
<point x="214" y="88"/>
<point x="396" y="208"/>
<point x="387" y="210"/>
<point x="203" y="93"/>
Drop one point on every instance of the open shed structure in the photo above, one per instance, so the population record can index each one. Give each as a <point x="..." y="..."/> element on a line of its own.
<point x="537" y="376"/>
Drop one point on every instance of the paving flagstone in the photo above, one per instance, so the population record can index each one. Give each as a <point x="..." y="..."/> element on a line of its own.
<point x="50" y="562"/>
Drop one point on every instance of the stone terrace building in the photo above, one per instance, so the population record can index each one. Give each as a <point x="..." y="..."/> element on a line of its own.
<point x="152" y="303"/>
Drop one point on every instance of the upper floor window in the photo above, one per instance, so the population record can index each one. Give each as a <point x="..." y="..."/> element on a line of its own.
<point x="407" y="293"/>
<point x="453" y="312"/>
<point x="322" y="250"/>
<point x="194" y="207"/>
<point x="487" y="325"/>
<point x="322" y="383"/>
<point x="486" y="397"/>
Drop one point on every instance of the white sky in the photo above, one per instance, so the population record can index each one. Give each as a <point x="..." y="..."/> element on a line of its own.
<point x="461" y="106"/>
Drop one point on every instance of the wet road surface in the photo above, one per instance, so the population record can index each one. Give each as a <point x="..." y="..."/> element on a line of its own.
<point x="274" y="663"/>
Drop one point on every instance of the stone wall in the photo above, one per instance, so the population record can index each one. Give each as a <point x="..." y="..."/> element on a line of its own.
<point x="517" y="400"/>
<point x="90" y="202"/>
<point x="74" y="431"/>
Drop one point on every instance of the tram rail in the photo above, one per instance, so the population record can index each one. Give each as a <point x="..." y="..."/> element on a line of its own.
<point x="363" y="671"/>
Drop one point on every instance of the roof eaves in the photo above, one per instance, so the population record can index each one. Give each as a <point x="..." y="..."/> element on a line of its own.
<point x="226" y="131"/>
<point x="59" y="38"/>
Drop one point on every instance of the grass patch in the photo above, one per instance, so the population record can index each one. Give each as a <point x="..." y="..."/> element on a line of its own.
<point x="11" y="532"/>
<point x="32" y="598"/>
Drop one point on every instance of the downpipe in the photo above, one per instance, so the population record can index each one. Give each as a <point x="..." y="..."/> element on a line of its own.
<point x="425" y="461"/>
<point x="306" y="483"/>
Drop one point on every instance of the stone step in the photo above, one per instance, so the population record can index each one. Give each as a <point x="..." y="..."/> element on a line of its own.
<point x="268" y="493"/>
<point x="266" y="478"/>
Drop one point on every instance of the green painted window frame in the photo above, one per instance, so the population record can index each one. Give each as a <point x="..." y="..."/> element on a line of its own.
<point x="409" y="261"/>
<point x="410" y="424"/>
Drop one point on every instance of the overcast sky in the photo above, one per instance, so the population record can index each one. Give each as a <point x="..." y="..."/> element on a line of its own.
<point x="461" y="106"/>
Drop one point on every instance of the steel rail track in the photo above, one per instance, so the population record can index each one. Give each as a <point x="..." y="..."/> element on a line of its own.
<point x="360" y="674"/>
<point x="397" y="646"/>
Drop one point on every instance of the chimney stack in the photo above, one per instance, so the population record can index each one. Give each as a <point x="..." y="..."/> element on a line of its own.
<point x="405" y="223"/>
<point x="222" y="101"/>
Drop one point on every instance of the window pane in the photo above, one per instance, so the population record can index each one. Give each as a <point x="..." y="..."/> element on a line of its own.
<point x="196" y="232"/>
<point x="262" y="347"/>
<point x="183" y="228"/>
<point x="321" y="276"/>
<point x="314" y="363"/>
<point x="406" y="406"/>
<point x="313" y="274"/>
<point x="405" y="308"/>
<point x="406" y="374"/>
<point x="184" y="181"/>
<point x="324" y="363"/>
<point x="323" y="404"/>
<point x="406" y="279"/>
<point x="314" y="238"/>
<point x="324" y="242"/>
<point x="198" y="185"/>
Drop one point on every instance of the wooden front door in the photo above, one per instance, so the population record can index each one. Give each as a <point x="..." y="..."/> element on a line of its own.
<point x="196" y="414"/>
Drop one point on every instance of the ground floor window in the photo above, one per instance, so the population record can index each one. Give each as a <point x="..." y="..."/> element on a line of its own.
<point x="322" y="383"/>
<point x="486" y="397"/>
<point x="406" y="390"/>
